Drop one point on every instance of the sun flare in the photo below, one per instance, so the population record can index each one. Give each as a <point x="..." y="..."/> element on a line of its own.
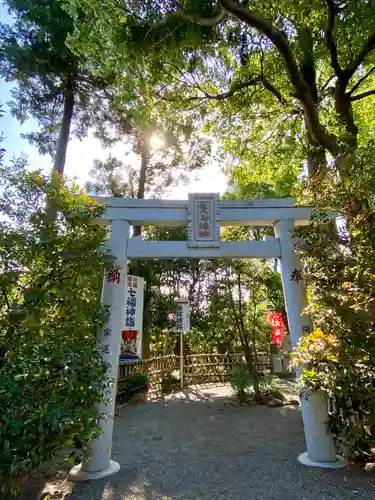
<point x="156" y="142"/>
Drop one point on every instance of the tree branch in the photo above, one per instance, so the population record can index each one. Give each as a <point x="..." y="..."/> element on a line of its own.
<point x="193" y="17"/>
<point x="329" y="38"/>
<point x="6" y="298"/>
<point x="218" y="97"/>
<point x="280" y="41"/>
<point x="268" y="85"/>
<point x="233" y="90"/>
<point x="236" y="87"/>
<point x="363" y="95"/>
<point x="276" y="36"/>
<point x="361" y="80"/>
<point x="366" y="49"/>
<point x="325" y="85"/>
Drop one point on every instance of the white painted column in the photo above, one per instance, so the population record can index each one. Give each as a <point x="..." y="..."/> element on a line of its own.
<point x="319" y="441"/>
<point x="182" y="361"/>
<point x="182" y="325"/>
<point x="99" y="464"/>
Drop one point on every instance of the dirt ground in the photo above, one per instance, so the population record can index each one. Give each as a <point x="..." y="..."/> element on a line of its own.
<point x="198" y="444"/>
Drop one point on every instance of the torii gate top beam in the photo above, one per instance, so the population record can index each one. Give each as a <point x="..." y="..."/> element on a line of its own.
<point x="175" y="212"/>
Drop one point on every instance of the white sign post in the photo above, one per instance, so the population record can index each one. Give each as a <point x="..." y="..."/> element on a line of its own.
<point x="182" y="325"/>
<point x="131" y="334"/>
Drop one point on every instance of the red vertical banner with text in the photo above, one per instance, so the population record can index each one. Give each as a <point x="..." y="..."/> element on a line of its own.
<point x="276" y="321"/>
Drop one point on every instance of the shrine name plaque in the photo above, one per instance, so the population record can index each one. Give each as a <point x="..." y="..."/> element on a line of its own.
<point x="204" y="220"/>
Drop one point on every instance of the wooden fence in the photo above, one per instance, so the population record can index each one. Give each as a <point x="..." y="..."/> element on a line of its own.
<point x="155" y="368"/>
<point x="209" y="368"/>
<point x="198" y="369"/>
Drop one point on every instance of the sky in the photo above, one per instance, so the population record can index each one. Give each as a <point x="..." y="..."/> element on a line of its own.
<point x="81" y="154"/>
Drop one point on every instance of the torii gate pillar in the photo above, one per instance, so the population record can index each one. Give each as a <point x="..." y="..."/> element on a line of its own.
<point x="98" y="463"/>
<point x="320" y="447"/>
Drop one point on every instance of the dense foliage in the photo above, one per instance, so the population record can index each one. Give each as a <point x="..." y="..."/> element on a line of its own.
<point x="292" y="81"/>
<point x="227" y="299"/>
<point x="51" y="375"/>
<point x="132" y="385"/>
<point x="340" y="355"/>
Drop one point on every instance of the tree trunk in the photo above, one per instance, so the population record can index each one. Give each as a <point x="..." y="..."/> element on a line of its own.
<point x="251" y="365"/>
<point x="249" y="356"/>
<point x="145" y="158"/>
<point x="275" y="264"/>
<point x="66" y="122"/>
<point x="344" y="111"/>
<point x="316" y="161"/>
<point x="135" y="267"/>
<point x="146" y="323"/>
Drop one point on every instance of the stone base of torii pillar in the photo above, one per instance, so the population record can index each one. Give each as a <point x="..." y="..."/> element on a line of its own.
<point x="77" y="474"/>
<point x="337" y="464"/>
<point x="320" y="447"/>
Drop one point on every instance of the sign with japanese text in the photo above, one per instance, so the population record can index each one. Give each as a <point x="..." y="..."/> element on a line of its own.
<point x="113" y="275"/>
<point x="181" y="316"/>
<point x="204" y="220"/>
<point x="276" y="321"/>
<point x="131" y="335"/>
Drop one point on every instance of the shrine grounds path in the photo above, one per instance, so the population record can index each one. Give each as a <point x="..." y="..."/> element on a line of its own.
<point x="199" y="445"/>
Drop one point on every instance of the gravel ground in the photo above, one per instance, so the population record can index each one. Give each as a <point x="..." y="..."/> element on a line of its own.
<point x="199" y="445"/>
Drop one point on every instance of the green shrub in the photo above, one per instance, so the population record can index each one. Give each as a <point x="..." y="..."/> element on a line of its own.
<point x="329" y="365"/>
<point x="338" y="357"/>
<point x="134" y="384"/>
<point x="269" y="385"/>
<point x="51" y="375"/>
<point x="169" y="383"/>
<point x="240" y="380"/>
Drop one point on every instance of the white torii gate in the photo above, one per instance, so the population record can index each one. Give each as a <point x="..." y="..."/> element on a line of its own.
<point x="204" y="214"/>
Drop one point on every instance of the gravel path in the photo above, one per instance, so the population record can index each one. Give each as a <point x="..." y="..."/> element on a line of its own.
<point x="197" y="445"/>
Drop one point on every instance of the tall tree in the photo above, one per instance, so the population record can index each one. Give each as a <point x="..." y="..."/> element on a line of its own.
<point x="53" y="84"/>
<point x="51" y="373"/>
<point x="168" y="147"/>
<point x="301" y="71"/>
<point x="112" y="178"/>
<point x="177" y="151"/>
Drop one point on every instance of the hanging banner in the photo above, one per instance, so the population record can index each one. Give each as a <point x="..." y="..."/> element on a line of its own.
<point x="170" y="317"/>
<point x="181" y="316"/>
<point x="131" y="335"/>
<point x="276" y="321"/>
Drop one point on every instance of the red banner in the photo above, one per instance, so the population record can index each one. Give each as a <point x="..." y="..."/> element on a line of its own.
<point x="170" y="317"/>
<point x="276" y="321"/>
<point x="129" y="336"/>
